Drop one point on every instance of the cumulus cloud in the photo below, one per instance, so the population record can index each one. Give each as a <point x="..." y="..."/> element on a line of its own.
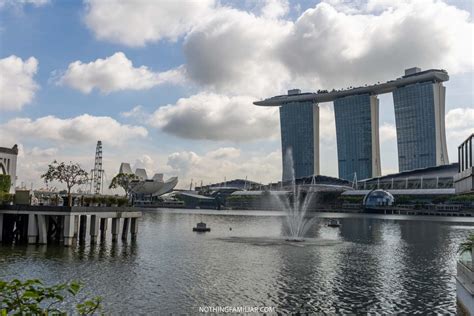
<point x="217" y="117"/>
<point x="234" y="52"/>
<point x="79" y="129"/>
<point x="115" y="73"/>
<point x="387" y="132"/>
<point x="17" y="86"/>
<point x="213" y="167"/>
<point x="136" y="112"/>
<point x="19" y="3"/>
<point x="330" y="48"/>
<point x="459" y="125"/>
<point x="135" y="23"/>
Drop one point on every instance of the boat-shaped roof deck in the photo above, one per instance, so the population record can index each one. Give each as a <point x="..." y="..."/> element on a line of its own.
<point x="433" y="75"/>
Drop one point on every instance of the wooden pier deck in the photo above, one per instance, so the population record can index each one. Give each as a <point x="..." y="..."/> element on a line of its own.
<point x="64" y="224"/>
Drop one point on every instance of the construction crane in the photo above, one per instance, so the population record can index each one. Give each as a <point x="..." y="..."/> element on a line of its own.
<point x="97" y="174"/>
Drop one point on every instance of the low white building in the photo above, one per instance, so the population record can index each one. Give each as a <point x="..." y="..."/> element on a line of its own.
<point x="8" y="158"/>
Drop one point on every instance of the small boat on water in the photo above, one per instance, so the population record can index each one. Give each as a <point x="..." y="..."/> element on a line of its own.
<point x="334" y="223"/>
<point x="201" y="227"/>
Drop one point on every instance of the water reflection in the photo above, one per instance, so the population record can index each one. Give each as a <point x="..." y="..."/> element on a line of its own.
<point x="378" y="266"/>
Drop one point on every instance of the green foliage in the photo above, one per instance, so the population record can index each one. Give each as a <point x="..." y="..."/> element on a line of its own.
<point x="112" y="200"/>
<point x="123" y="180"/>
<point x="5" y="183"/>
<point x="122" y="201"/>
<point x="71" y="174"/>
<point x="466" y="245"/>
<point x="32" y="297"/>
<point x="351" y="198"/>
<point x="6" y="198"/>
<point x="463" y="198"/>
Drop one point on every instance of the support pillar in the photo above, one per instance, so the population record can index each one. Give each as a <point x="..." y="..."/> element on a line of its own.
<point x="42" y="229"/>
<point x="134" y="228"/>
<point x="69" y="229"/>
<point x="82" y="228"/>
<point x="1" y="227"/>
<point x="103" y="228"/>
<point x="126" y="224"/>
<point x="32" y="229"/>
<point x="115" y="229"/>
<point x="94" y="228"/>
<point x="76" y="226"/>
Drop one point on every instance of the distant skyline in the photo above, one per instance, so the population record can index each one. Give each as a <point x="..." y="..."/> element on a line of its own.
<point x="169" y="86"/>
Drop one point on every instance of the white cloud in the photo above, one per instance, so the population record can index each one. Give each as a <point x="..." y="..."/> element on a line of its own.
<point x="234" y="52"/>
<point x="217" y="117"/>
<point x="387" y="132"/>
<point x="330" y="48"/>
<point x="19" y="3"/>
<point x="211" y="168"/>
<point x="79" y="129"/>
<point x="17" y="86"/>
<point x="459" y="125"/>
<point x="135" y="23"/>
<point x="273" y="9"/>
<point x="115" y="73"/>
<point x="136" y="112"/>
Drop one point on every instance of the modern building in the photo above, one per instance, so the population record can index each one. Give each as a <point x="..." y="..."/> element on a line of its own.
<point x="299" y="124"/>
<point x="8" y="159"/>
<point x="464" y="179"/>
<point x="357" y="130"/>
<point x="419" y="100"/>
<point x="144" y="188"/>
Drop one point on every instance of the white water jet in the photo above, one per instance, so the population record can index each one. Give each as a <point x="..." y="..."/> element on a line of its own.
<point x="295" y="206"/>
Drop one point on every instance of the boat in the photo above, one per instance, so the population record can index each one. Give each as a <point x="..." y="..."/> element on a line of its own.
<point x="334" y="223"/>
<point x="201" y="227"/>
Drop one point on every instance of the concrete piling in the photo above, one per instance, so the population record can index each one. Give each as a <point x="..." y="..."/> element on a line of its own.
<point x="32" y="229"/>
<point x="115" y="228"/>
<point x="94" y="228"/>
<point x="43" y="224"/>
<point x="126" y="224"/>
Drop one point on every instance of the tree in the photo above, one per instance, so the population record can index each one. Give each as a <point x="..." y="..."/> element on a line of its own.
<point x="71" y="174"/>
<point x="5" y="183"/>
<point x="32" y="297"/>
<point x="123" y="180"/>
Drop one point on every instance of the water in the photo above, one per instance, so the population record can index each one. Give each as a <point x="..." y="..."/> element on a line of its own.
<point x="376" y="264"/>
<point x="295" y="206"/>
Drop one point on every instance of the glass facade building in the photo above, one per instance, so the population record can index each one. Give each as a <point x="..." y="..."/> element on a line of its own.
<point x="419" y="116"/>
<point x="299" y="126"/>
<point x="357" y="136"/>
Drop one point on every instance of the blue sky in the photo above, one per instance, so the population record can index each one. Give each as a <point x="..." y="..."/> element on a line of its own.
<point x="191" y="69"/>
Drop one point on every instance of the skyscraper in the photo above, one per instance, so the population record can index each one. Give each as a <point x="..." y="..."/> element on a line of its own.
<point x="419" y="116"/>
<point x="357" y="130"/>
<point x="419" y="98"/>
<point x="299" y="124"/>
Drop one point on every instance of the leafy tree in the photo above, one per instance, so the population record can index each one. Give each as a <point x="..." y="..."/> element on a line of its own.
<point x="32" y="297"/>
<point x="123" y="180"/>
<point x="5" y="183"/>
<point x="71" y="174"/>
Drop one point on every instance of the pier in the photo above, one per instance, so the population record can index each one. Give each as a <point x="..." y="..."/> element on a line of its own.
<point x="66" y="225"/>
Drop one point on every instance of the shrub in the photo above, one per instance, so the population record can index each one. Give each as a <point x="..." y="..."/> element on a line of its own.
<point x="111" y="200"/>
<point x="5" y="183"/>
<point x="122" y="201"/>
<point x="32" y="297"/>
<point x="6" y="198"/>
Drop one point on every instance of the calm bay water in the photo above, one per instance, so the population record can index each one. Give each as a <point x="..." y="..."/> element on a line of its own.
<point x="391" y="264"/>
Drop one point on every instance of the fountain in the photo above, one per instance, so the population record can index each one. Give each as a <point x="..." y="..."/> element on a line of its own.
<point x="297" y="223"/>
<point x="295" y="206"/>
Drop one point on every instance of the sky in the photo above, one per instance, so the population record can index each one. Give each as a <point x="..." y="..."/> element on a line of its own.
<point x="169" y="85"/>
